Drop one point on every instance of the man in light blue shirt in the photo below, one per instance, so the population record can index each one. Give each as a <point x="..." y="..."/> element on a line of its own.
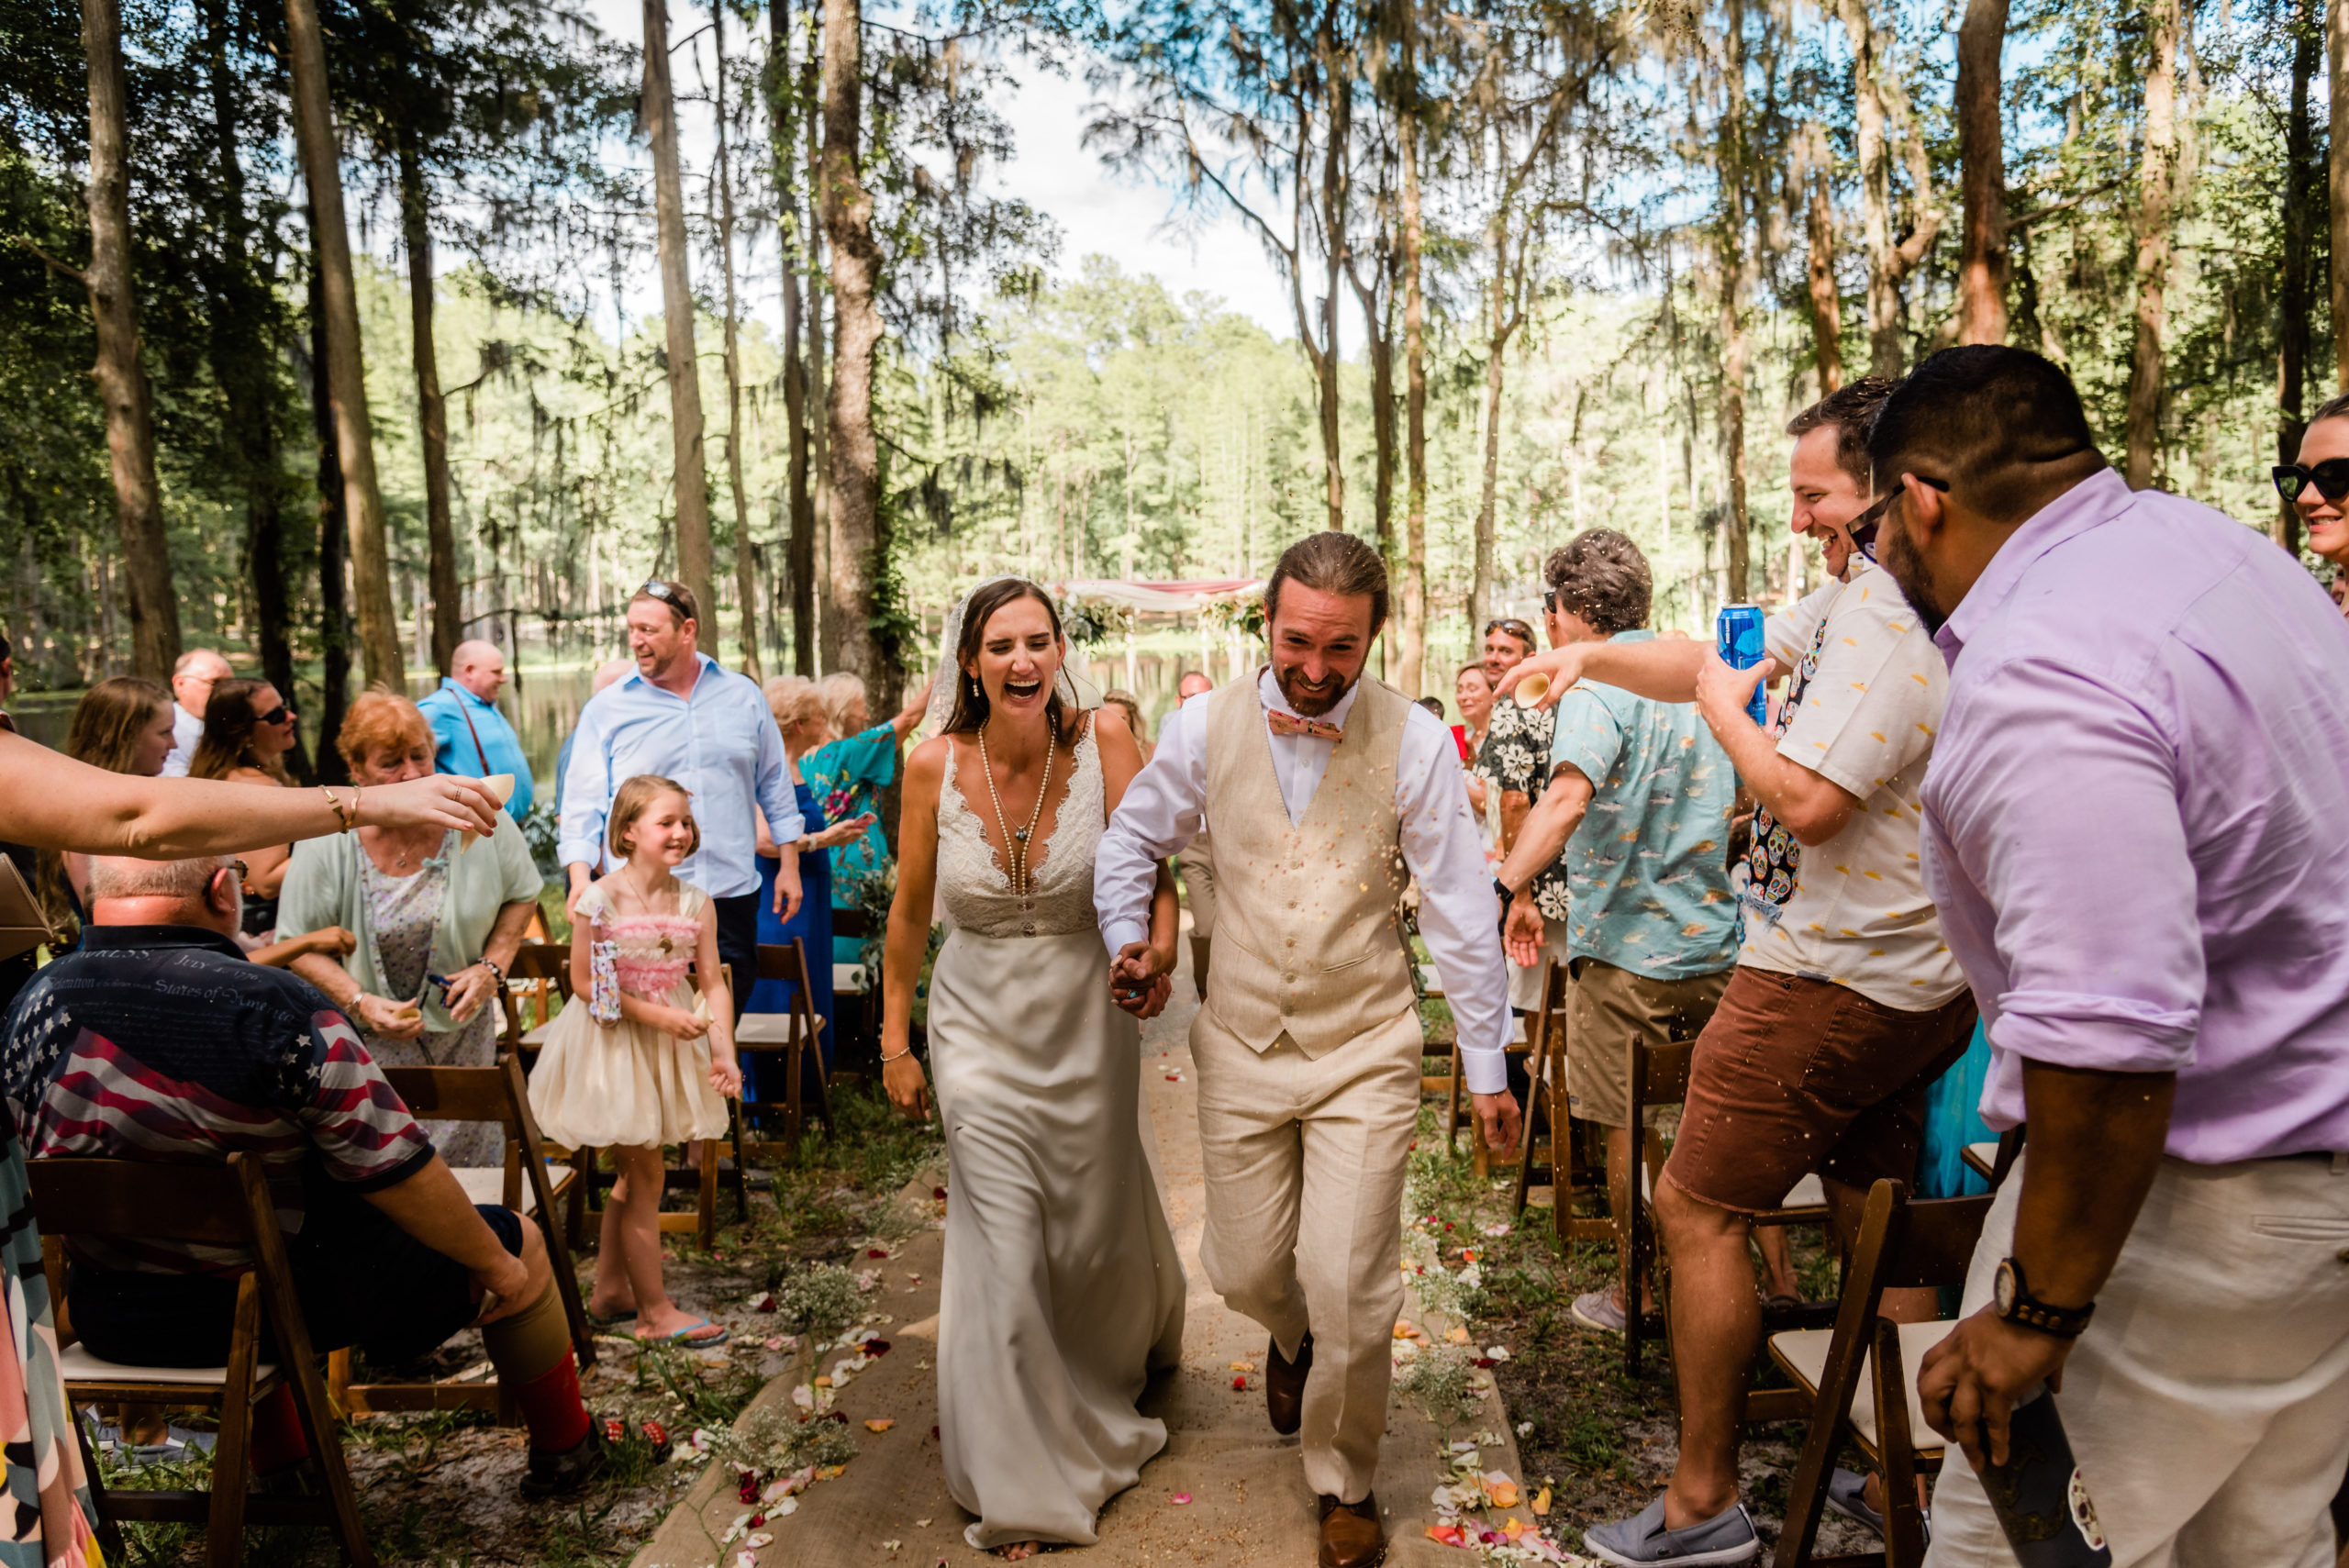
<point x="1640" y="800"/>
<point x="682" y="717"/>
<point x="470" y="737"/>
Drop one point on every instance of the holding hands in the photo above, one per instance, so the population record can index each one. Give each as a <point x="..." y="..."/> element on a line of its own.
<point x="1139" y="979"/>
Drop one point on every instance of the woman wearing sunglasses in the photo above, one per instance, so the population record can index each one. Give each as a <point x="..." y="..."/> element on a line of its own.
<point x="2317" y="486"/>
<point x="247" y="729"/>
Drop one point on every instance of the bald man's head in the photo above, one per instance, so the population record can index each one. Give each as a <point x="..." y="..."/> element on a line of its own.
<point x="479" y="668"/>
<point x="192" y="677"/>
<point x="610" y="670"/>
<point x="205" y="891"/>
<point x="1193" y="684"/>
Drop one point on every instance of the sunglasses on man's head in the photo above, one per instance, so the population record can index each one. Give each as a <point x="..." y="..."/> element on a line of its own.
<point x="664" y="591"/>
<point x="1514" y="628"/>
<point x="2331" y="478"/>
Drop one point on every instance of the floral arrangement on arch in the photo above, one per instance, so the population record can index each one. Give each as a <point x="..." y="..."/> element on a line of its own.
<point x="1242" y="610"/>
<point x="1085" y="622"/>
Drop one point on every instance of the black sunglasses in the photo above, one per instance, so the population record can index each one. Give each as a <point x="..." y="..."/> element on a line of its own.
<point x="1862" y="528"/>
<point x="662" y="590"/>
<point x="278" y="714"/>
<point x="1512" y="625"/>
<point x="2331" y="478"/>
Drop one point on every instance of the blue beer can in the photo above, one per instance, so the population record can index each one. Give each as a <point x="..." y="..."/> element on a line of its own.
<point x="1738" y="635"/>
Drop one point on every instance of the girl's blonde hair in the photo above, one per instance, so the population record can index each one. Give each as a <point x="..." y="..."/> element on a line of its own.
<point x="841" y="692"/>
<point x="635" y="798"/>
<point x="793" y="700"/>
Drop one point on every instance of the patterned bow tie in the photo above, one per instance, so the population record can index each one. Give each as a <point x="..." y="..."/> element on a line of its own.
<point x="1289" y="724"/>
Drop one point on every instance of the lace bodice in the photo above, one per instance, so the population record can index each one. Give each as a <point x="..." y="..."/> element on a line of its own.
<point x="654" y="949"/>
<point x="977" y="890"/>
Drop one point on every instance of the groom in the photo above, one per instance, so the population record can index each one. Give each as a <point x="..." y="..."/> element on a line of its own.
<point x="1308" y="1047"/>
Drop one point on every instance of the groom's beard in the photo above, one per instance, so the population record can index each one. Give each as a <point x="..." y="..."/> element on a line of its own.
<point x="1308" y="700"/>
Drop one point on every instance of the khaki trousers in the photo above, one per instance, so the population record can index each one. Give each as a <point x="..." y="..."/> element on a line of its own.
<point x="1304" y="1163"/>
<point x="2207" y="1404"/>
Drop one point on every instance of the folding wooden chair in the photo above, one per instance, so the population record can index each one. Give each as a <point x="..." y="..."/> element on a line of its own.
<point x="1572" y="1170"/>
<point x="797" y="1035"/>
<point x="222" y="1205"/>
<point x="539" y="981"/>
<point x="1660" y="1077"/>
<point x="856" y="993"/>
<point x="1991" y="1161"/>
<point x="529" y="1184"/>
<point x="1858" y="1375"/>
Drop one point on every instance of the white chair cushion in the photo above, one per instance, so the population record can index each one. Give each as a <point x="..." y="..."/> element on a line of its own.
<point x="79" y="1366"/>
<point x="849" y="978"/>
<point x="534" y="1038"/>
<point x="1803" y="1353"/>
<point x="1808" y="1193"/>
<point x="1983" y="1157"/>
<point x="766" y="1029"/>
<point x="487" y="1184"/>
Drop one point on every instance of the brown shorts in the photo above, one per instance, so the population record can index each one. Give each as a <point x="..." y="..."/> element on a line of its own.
<point x="1613" y="1012"/>
<point x="1796" y="1075"/>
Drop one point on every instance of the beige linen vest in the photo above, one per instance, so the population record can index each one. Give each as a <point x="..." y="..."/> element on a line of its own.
<point x="1304" y="936"/>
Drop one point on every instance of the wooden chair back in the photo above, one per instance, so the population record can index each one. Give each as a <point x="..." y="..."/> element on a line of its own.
<point x="541" y="974"/>
<point x="1904" y="1243"/>
<point x="227" y="1205"/>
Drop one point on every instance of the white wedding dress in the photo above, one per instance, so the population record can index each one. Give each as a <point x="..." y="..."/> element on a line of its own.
<point x="1062" y="1289"/>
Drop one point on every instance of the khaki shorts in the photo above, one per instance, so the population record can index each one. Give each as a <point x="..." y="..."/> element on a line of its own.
<point x="1794" y="1075"/>
<point x="1612" y="1011"/>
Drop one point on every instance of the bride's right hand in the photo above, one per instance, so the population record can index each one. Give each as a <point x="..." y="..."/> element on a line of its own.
<point x="907" y="1086"/>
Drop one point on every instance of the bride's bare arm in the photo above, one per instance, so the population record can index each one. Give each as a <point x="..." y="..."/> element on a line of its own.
<point x="1121" y="762"/>
<point x="56" y="803"/>
<point x="909" y="913"/>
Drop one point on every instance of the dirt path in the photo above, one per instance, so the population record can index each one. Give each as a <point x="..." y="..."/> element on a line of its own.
<point x="1247" y="1501"/>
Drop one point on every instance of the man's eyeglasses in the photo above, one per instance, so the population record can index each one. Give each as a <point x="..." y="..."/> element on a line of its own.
<point x="242" y="870"/>
<point x="1862" y="528"/>
<point x="1514" y="628"/>
<point x="281" y="714"/>
<point x="2331" y="478"/>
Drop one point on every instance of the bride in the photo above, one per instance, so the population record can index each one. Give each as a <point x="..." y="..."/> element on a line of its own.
<point x="1062" y="1288"/>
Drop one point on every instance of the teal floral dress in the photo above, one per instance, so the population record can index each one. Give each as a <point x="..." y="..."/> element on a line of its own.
<point x="847" y="777"/>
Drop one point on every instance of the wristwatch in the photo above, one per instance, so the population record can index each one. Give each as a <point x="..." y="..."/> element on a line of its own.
<point x="2010" y="1294"/>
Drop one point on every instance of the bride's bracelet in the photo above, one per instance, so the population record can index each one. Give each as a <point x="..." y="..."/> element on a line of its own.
<point x="886" y="1059"/>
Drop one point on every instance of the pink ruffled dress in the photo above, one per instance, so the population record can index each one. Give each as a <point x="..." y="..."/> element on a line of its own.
<point x="626" y="1084"/>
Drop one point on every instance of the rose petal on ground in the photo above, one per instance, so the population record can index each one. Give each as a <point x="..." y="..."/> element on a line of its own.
<point x="755" y="1541"/>
<point x="880" y="1423"/>
<point x="1497" y="1353"/>
<point x="1540" y="1504"/>
<point x="1243" y="1366"/>
<point x="1241" y="1382"/>
<point x="1458" y="1336"/>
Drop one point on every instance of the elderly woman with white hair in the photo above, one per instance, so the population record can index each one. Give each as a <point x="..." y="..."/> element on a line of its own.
<point x="848" y="774"/>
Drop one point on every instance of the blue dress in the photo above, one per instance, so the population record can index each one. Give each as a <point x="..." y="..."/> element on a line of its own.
<point x="813" y="926"/>
<point x="848" y="775"/>
<point x="1953" y="1120"/>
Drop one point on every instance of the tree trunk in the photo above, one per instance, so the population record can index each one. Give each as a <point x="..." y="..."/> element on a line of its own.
<point x="1889" y="261"/>
<point x="678" y="310"/>
<point x="746" y="583"/>
<point x="1414" y="640"/>
<point x="334" y="538"/>
<point x="244" y="343"/>
<point x="1480" y="581"/>
<point x="2156" y="172"/>
<point x="800" y="564"/>
<point x="432" y="408"/>
<point x="1981" y="144"/>
<point x="122" y="380"/>
<point x="860" y="546"/>
<point x="2336" y="35"/>
<point x="1338" y="84"/>
<point x="1736" y="347"/>
<point x="346" y="374"/>
<point x="1826" y="300"/>
<point x="829" y="611"/>
<point x="1378" y="337"/>
<point x="2292" y="356"/>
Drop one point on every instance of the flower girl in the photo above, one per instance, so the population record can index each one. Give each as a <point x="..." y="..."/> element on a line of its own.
<point x="636" y="1060"/>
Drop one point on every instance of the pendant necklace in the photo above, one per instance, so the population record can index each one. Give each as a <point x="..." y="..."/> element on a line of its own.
<point x="1016" y="843"/>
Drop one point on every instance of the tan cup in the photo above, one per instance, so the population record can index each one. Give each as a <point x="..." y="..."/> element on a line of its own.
<point x="1530" y="691"/>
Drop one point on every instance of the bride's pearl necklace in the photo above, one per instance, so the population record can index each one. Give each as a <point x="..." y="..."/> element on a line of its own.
<point x="1016" y="843"/>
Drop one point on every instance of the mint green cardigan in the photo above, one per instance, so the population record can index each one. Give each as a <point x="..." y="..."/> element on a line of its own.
<point x="322" y="889"/>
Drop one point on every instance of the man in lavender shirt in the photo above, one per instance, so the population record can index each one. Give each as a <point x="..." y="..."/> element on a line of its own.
<point x="2137" y="832"/>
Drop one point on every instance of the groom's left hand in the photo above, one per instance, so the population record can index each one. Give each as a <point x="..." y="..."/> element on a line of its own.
<point x="1497" y="1115"/>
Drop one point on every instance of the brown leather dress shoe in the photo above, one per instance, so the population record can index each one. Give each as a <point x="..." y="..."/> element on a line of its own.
<point x="1284" y="1385"/>
<point x="1351" y="1537"/>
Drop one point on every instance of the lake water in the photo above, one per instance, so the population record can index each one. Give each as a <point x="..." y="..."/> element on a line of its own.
<point x="544" y="701"/>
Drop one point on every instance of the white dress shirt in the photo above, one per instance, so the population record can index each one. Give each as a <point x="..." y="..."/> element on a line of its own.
<point x="1459" y="915"/>
<point x="187" y="734"/>
<point x="720" y="742"/>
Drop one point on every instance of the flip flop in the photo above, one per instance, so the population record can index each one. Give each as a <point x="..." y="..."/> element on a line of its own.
<point x="611" y="1320"/>
<point x="685" y="1336"/>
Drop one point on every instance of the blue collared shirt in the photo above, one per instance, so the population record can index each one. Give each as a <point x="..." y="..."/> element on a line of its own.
<point x="720" y="743"/>
<point x="472" y="739"/>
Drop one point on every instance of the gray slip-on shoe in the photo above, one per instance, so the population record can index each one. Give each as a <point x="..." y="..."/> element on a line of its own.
<point x="1847" y="1495"/>
<point x="1597" y="1309"/>
<point x="1643" y="1542"/>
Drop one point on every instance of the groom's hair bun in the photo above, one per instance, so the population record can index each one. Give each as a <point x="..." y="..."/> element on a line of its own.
<point x="1330" y="562"/>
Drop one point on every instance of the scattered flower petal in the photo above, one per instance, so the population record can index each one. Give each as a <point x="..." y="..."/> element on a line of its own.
<point x="880" y="1423"/>
<point x="1180" y="1497"/>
